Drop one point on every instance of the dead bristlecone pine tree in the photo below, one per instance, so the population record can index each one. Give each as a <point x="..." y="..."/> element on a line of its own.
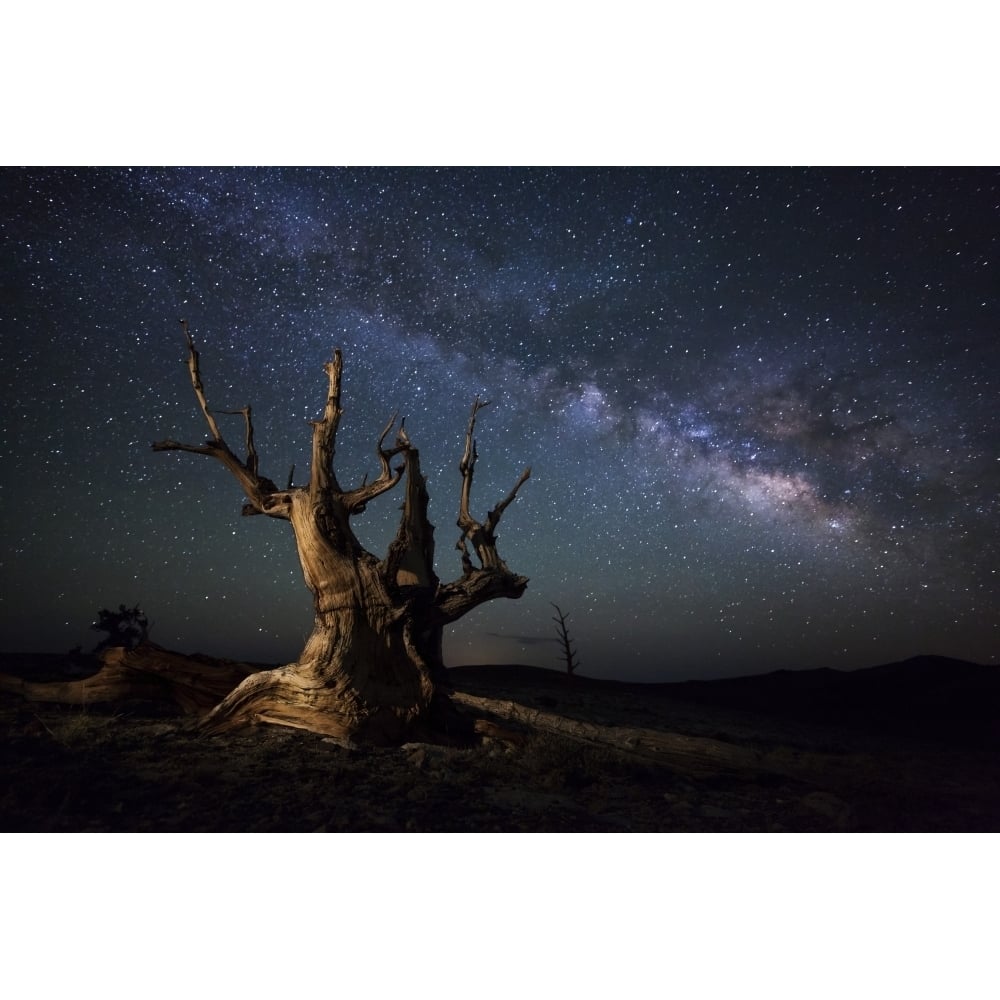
<point x="568" y="649"/>
<point x="372" y="669"/>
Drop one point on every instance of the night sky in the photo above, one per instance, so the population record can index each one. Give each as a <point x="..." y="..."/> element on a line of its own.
<point x="760" y="405"/>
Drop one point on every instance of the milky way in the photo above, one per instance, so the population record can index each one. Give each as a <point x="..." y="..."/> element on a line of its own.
<point x="760" y="406"/>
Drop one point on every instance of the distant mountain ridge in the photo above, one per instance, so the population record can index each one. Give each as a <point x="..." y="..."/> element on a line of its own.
<point x="920" y="696"/>
<point x="914" y="667"/>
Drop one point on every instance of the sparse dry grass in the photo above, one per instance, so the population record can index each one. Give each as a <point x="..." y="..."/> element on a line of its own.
<point x="75" y="726"/>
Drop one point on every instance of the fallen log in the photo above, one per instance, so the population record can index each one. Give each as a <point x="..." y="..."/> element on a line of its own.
<point x="694" y="755"/>
<point x="196" y="684"/>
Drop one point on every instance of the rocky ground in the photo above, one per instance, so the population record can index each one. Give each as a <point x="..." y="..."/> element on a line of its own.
<point x="556" y="755"/>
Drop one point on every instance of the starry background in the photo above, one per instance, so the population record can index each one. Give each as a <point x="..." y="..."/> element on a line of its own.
<point x="760" y="405"/>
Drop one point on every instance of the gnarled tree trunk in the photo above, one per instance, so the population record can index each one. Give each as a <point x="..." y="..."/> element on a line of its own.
<point x="372" y="668"/>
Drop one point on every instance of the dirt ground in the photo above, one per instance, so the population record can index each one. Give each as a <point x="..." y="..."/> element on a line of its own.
<point x="556" y="755"/>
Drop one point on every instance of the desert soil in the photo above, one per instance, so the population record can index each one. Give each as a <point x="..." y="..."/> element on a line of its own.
<point x="556" y="755"/>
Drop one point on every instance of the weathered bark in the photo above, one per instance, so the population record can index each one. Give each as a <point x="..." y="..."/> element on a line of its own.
<point x="372" y="669"/>
<point x="368" y="670"/>
<point x="695" y="755"/>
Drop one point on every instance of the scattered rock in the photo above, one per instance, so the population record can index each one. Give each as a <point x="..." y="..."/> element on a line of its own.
<point x="830" y="807"/>
<point x="715" y="812"/>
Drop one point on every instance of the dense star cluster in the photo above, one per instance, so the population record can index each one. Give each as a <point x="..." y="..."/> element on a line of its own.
<point x="760" y="406"/>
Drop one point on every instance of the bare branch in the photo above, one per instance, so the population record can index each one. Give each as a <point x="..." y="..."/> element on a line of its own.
<point x="356" y="500"/>
<point x="199" y="390"/>
<point x="259" y="489"/>
<point x="200" y="449"/>
<point x="493" y="518"/>
<point x="252" y="461"/>
<point x="467" y="466"/>
<point x="262" y="494"/>
<point x="322" y="480"/>
<point x="277" y="504"/>
<point x="482" y="537"/>
<point x="456" y="599"/>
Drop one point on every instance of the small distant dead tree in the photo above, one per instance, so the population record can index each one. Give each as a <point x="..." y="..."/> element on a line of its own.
<point x="126" y="627"/>
<point x="568" y="651"/>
